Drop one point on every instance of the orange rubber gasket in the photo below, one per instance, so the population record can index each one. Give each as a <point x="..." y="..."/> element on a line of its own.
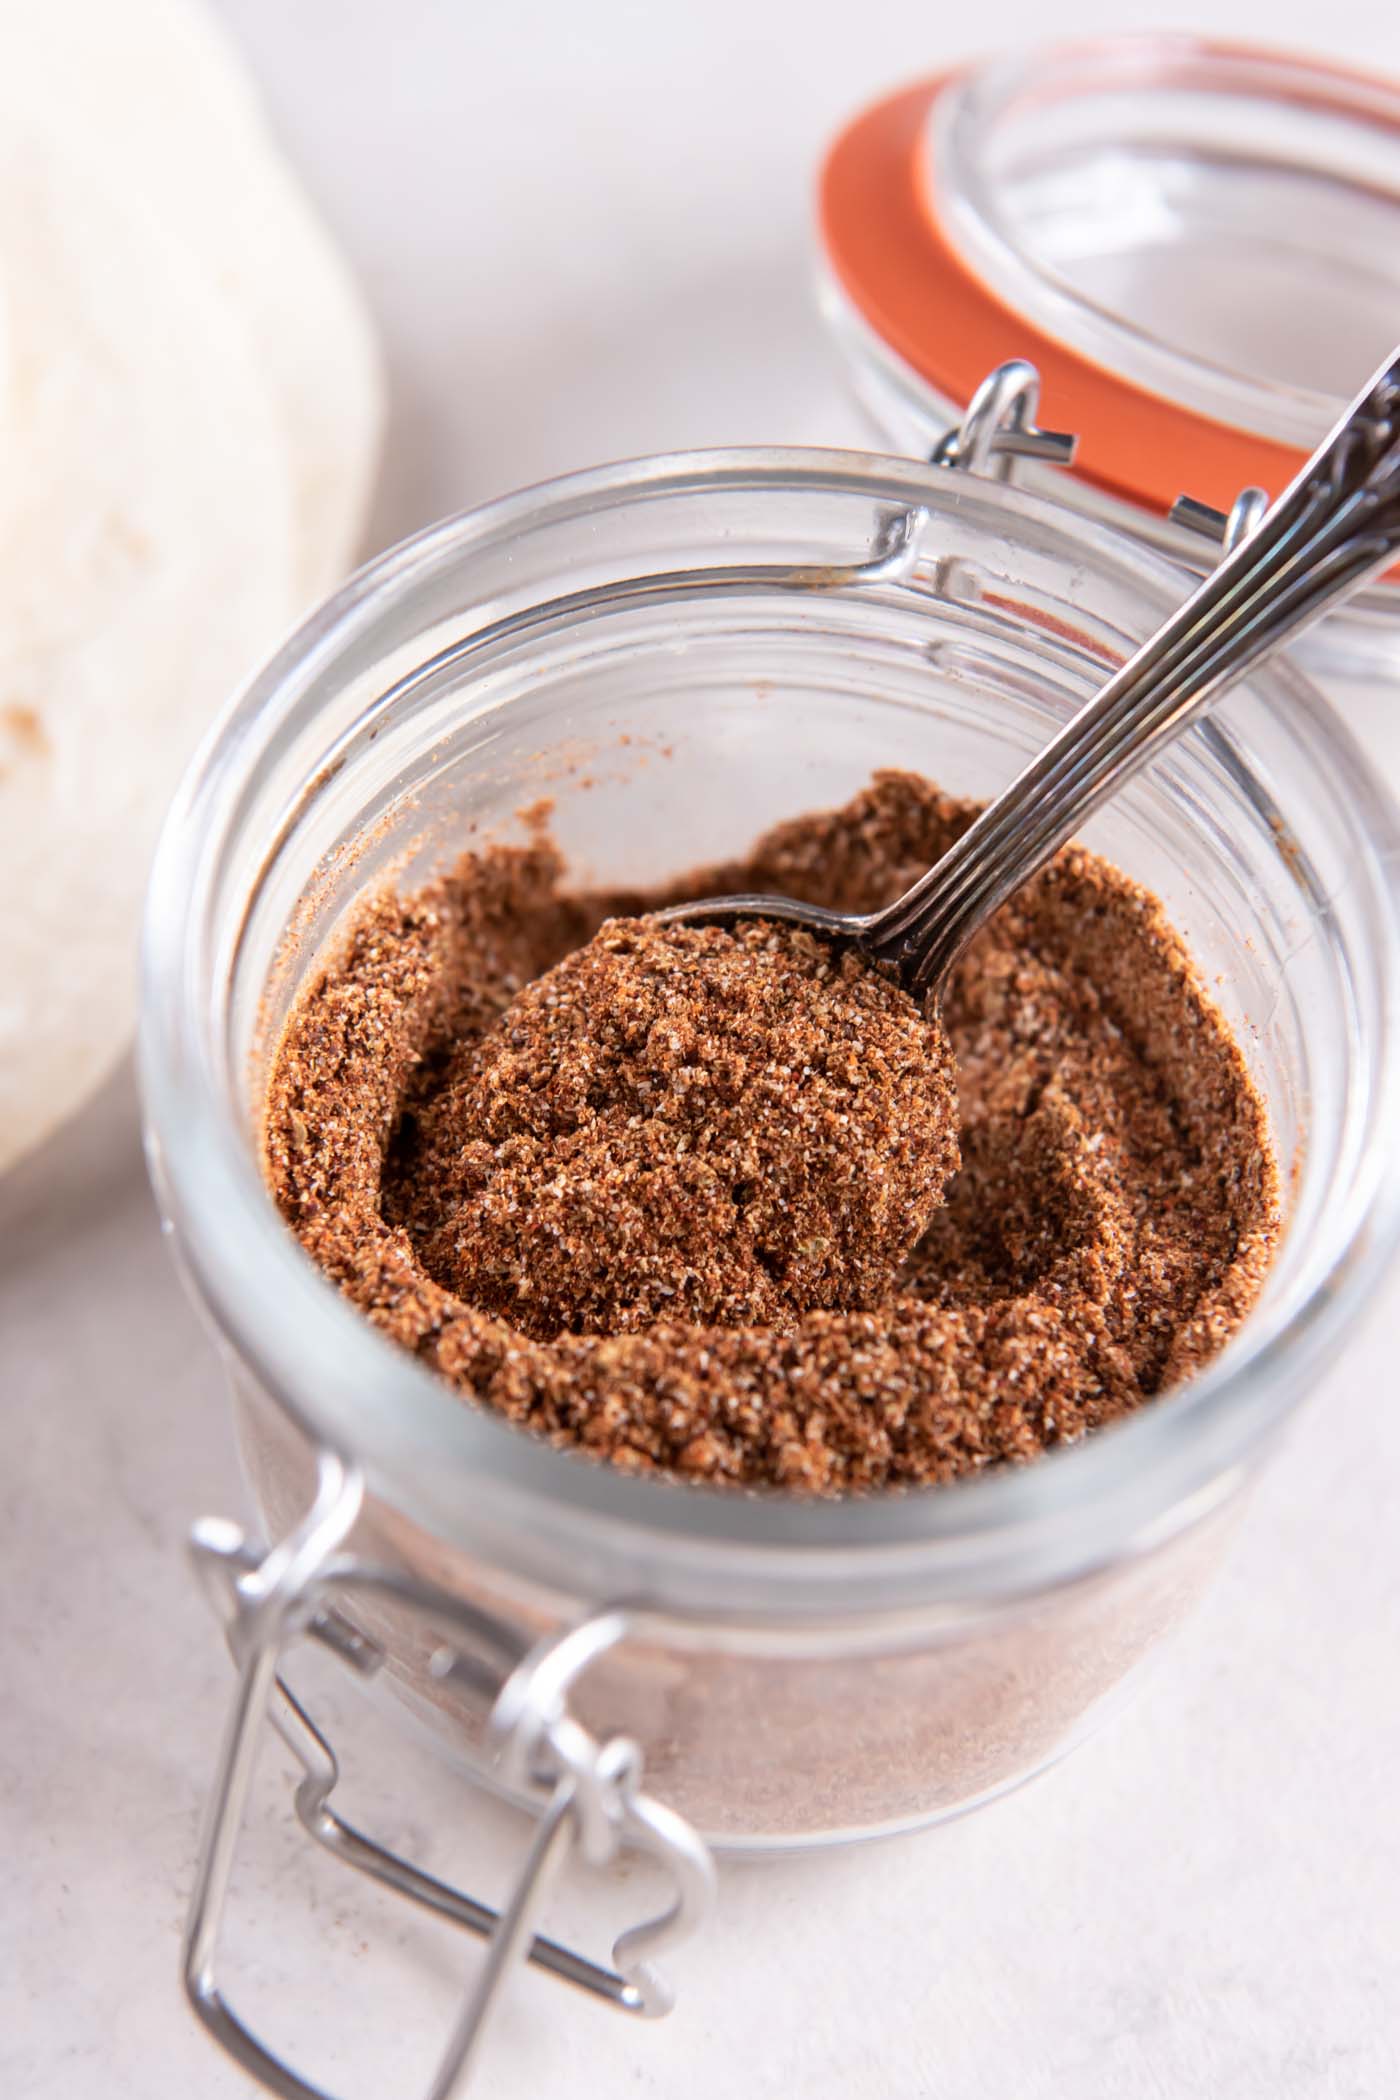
<point x="909" y="285"/>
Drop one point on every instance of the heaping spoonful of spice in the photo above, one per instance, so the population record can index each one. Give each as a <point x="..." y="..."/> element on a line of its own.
<point x="722" y="1112"/>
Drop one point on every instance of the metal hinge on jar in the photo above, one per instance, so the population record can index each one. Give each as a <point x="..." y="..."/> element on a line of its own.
<point x="588" y="1793"/>
<point x="998" y="428"/>
<point x="1230" y="526"/>
<point x="996" y="433"/>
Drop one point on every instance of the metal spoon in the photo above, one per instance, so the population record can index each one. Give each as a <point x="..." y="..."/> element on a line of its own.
<point x="1334" y="526"/>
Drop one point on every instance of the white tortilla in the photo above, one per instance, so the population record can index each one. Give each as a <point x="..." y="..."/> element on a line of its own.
<point x="156" y="86"/>
<point x="146" y="558"/>
<point x="190" y="409"/>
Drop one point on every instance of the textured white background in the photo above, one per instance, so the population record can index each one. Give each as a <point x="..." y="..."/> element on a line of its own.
<point x="584" y="231"/>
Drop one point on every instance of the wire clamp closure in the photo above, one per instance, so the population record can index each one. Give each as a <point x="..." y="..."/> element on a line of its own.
<point x="999" y="428"/>
<point x="587" y="1793"/>
<point x="1232" y="527"/>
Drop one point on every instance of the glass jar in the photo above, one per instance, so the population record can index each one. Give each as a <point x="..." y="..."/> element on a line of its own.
<point x="681" y="652"/>
<point x="1196" y="243"/>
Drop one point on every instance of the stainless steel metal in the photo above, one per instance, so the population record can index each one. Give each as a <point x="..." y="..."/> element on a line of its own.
<point x="588" y="1793"/>
<point x="1333" y="528"/>
<point x="999" y="427"/>
<point x="1230" y="526"/>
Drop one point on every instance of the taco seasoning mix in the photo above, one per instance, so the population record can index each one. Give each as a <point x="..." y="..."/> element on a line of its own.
<point x="724" y="1204"/>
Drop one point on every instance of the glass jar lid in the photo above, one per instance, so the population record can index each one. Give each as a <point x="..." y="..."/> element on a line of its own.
<point x="1198" y="245"/>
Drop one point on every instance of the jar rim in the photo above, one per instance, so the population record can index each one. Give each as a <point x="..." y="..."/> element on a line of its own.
<point x="918" y="239"/>
<point x="431" y="1456"/>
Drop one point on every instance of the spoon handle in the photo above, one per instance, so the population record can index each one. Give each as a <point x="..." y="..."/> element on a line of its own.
<point x="1333" y="527"/>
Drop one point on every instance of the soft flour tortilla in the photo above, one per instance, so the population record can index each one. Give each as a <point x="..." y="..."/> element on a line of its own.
<point x="173" y="490"/>
<point x="146" y="557"/>
<point x="156" y="85"/>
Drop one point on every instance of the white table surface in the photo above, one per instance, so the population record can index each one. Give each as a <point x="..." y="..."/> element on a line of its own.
<point x="583" y="228"/>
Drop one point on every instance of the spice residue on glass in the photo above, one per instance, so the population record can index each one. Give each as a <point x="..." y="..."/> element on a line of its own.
<point x="675" y="1196"/>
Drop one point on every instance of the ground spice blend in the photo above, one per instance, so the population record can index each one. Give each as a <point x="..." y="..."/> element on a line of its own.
<point x="698" y="1124"/>
<point x="1109" y="1226"/>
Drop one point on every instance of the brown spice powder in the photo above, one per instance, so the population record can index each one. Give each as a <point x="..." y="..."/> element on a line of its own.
<point x="1112" y="1222"/>
<point x="684" y="1123"/>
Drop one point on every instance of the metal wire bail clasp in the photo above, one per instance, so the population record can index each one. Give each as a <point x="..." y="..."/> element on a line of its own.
<point x="999" y="427"/>
<point x="1230" y="528"/>
<point x="588" y="1792"/>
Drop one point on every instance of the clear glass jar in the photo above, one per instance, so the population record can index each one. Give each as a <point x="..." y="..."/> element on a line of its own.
<point x="680" y="652"/>
<point x="1196" y="243"/>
